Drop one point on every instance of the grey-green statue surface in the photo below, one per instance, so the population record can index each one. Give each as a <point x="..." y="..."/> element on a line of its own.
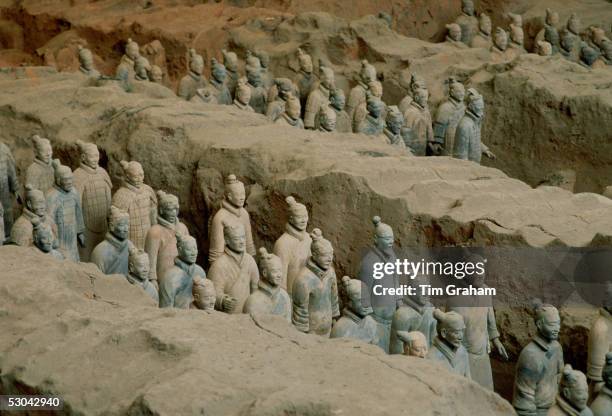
<point x="111" y="255"/>
<point x="40" y="173"/>
<point x="269" y="298"/>
<point x="138" y="273"/>
<point x="447" y="347"/>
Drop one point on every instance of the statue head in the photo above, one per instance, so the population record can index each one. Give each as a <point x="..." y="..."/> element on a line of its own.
<point x="243" y="91"/>
<point x="417" y="83"/>
<point x="230" y="60"/>
<point x="454" y="32"/>
<point x="383" y="235"/>
<point x="475" y="102"/>
<point x="133" y="173"/>
<point x="573" y="24"/>
<point x="544" y="48"/>
<point x="500" y="39"/>
<point x="35" y="200"/>
<point x="467" y="6"/>
<point x="517" y="19"/>
<point x="327" y="118"/>
<point x="450" y="327"/>
<point x="90" y="156"/>
<point x="574" y="387"/>
<point x="284" y="87"/>
<point x="607" y="370"/>
<point x="421" y="97"/>
<point x="118" y="223"/>
<point x="142" y="67"/>
<point x="85" y="58"/>
<point x="552" y="17"/>
<point x="293" y="107"/>
<point x="138" y="263"/>
<point x="235" y="193"/>
<point x="367" y="72"/>
<point x="168" y="206"/>
<point x="42" y="235"/>
<point x="298" y="214"/>
<point x="567" y="42"/>
<point x="254" y="75"/>
<point x="204" y="294"/>
<point x="42" y="149"/>
<point x="395" y="119"/>
<point x="547" y="320"/>
<point x="551" y="35"/>
<point x="337" y="99"/>
<point x="358" y="296"/>
<point x="63" y="176"/>
<point x="484" y="23"/>
<point x="252" y="62"/>
<point x="187" y="248"/>
<point x="235" y="237"/>
<point x="588" y="55"/>
<point x="132" y="50"/>
<point x="305" y="61"/>
<point x="271" y="267"/>
<point x="517" y="35"/>
<point x="263" y="57"/>
<point x="327" y="77"/>
<point x="456" y="90"/>
<point x="156" y="75"/>
<point x="218" y="71"/>
<point x="375" y="88"/>
<point x="415" y="343"/>
<point x="196" y="62"/>
<point x="374" y="105"/>
<point x="321" y="249"/>
<point x="598" y="36"/>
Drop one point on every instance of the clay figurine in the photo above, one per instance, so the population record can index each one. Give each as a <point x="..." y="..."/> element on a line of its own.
<point x="588" y="56"/>
<point x="125" y="72"/>
<point x="141" y="69"/>
<point x="234" y="273"/>
<point x="517" y="41"/>
<point x="156" y="75"/>
<point x="112" y="255"/>
<point x="468" y="144"/>
<point x="393" y="126"/>
<point x="573" y="395"/>
<point x="544" y="48"/>
<point x="447" y="347"/>
<point x="266" y="75"/>
<point x="569" y="46"/>
<point x="602" y="405"/>
<point x="291" y="116"/>
<point x="515" y="19"/>
<point x="319" y="97"/>
<point x="315" y="290"/>
<point x="337" y="102"/>
<point x="448" y="117"/>
<point x="573" y="27"/>
<point x="216" y="92"/>
<point x="375" y="89"/>
<point x="418" y="120"/>
<point x="482" y="39"/>
<point x="204" y="294"/>
<point x="138" y="200"/>
<point x="9" y="187"/>
<point x="230" y="60"/>
<point x="356" y="321"/>
<point x="194" y="80"/>
<point x="358" y="92"/>
<point x="550" y="33"/>
<point x="500" y="45"/>
<point x="374" y="123"/>
<point x="243" y="96"/>
<point x="416" y="83"/>
<point x="283" y="87"/>
<point x="326" y="120"/>
<point x="64" y="207"/>
<point x="454" y="36"/>
<point x="259" y="94"/>
<point x="600" y="342"/>
<point x="176" y="286"/>
<point x="138" y="273"/>
<point x="35" y="208"/>
<point x="468" y="22"/>
<point x="232" y="211"/>
<point x="305" y="80"/>
<point x="539" y="365"/>
<point x="597" y="38"/>
<point x="415" y="343"/>
<point x="86" y="63"/>
<point x="606" y="57"/>
<point x="269" y="298"/>
<point x="94" y="186"/>
<point x="40" y="173"/>
<point x="160" y="243"/>
<point x="43" y="238"/>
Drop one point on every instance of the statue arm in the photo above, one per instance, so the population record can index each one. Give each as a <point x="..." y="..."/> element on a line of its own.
<point x="461" y="138"/>
<point x="80" y="223"/>
<point x="152" y="243"/>
<point x="597" y="351"/>
<point x="216" y="240"/>
<point x="334" y="297"/>
<point x="12" y="175"/>
<point x="285" y="257"/>
<point x="301" y="298"/>
<point x="312" y="108"/>
<point x="491" y="324"/>
<point x="254" y="276"/>
<point x="525" y="385"/>
<point x="166" y="292"/>
<point x="217" y="276"/>
<point x="250" y="245"/>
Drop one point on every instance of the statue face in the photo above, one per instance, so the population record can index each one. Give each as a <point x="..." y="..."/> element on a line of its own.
<point x="577" y="395"/>
<point x="293" y="110"/>
<point x="553" y="19"/>
<point x="121" y="228"/>
<point x="236" y="195"/>
<point x="243" y="95"/>
<point x="169" y="212"/>
<point x="236" y="241"/>
<point x="44" y="153"/>
<point x="549" y="327"/>
<point x="338" y="101"/>
<point x="455" y="33"/>
<point x="385" y="241"/>
<point x="306" y="65"/>
<point x="468" y="8"/>
<point x="44" y="240"/>
<point x="156" y="75"/>
<point x="231" y="65"/>
<point x="209" y="300"/>
<point x="273" y="273"/>
<point x="132" y="51"/>
<point x="197" y="66"/>
<point x="140" y="267"/>
<point x="421" y="97"/>
<point x="573" y="26"/>
<point x="91" y="157"/>
<point x="328" y="123"/>
<point x="457" y="93"/>
<point x="254" y="78"/>
<point x="477" y="107"/>
<point x="135" y="176"/>
<point x="501" y="41"/>
<point x="299" y="221"/>
<point x="38" y="206"/>
<point x="141" y="71"/>
<point x="327" y="80"/>
<point x="323" y="260"/>
<point x="453" y="333"/>
<point x="518" y="37"/>
<point x="485" y="26"/>
<point x="65" y="181"/>
<point x="395" y="125"/>
<point x="219" y="74"/>
<point x="375" y="109"/>
<point x="416" y="348"/>
<point x="87" y="62"/>
<point x="188" y="252"/>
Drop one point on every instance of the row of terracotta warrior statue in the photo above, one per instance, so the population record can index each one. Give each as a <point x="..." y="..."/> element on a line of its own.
<point x="591" y="49"/>
<point x="136" y="232"/>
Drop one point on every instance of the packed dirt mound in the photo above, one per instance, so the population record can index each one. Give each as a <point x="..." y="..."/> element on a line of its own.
<point x="98" y="342"/>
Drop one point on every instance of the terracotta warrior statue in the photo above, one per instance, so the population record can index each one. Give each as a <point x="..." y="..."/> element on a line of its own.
<point x="573" y="395"/>
<point x="600" y="342"/>
<point x="415" y="343"/>
<point x="393" y="126"/>
<point x="64" y="207"/>
<point x="356" y="321"/>
<point x="259" y="94"/>
<point x="415" y="313"/>
<point x="588" y="56"/>
<point x="358" y="93"/>
<point x="515" y="19"/>
<point x="467" y="21"/>
<point x="597" y="38"/>
<point x="94" y="186"/>
<point x="269" y="298"/>
<point x="448" y="117"/>
<point x="315" y="290"/>
<point x="35" y="208"/>
<point x="194" y="80"/>
<point x="86" y="63"/>
<point x="232" y="211"/>
<point x="447" y="348"/>
<point x="416" y="83"/>
<point x="176" y="286"/>
<point x="142" y="67"/>
<point x="544" y="48"/>
<point x="40" y="173"/>
<point x="550" y="32"/>
<point x="266" y="75"/>
<point x="602" y="405"/>
<point x="517" y="40"/>
<point x="500" y="45"/>
<point x="605" y="58"/>
<point x="454" y="36"/>
<point x="204" y="294"/>
<point x="374" y="123"/>
<point x="539" y="365"/>
<point x="326" y="119"/>
<point x="319" y="97"/>
<point x="156" y="75"/>
<point x="234" y="273"/>
<point x="305" y="80"/>
<point x="381" y="251"/>
<point x="216" y="92"/>
<point x="573" y="27"/>
<point x="569" y="46"/>
<point x="9" y="187"/>
<point x="43" y="238"/>
<point x="284" y="87"/>
<point x="138" y="200"/>
<point x="243" y="96"/>
<point x="337" y="102"/>
<point x="482" y="39"/>
<point x="291" y="116"/>
<point x="111" y="255"/>
<point x="125" y="70"/>
<point x="418" y="120"/>
<point x="468" y="144"/>
<point x="551" y="35"/>
<point x="160" y="243"/>
<point x="138" y="272"/>
<point x="230" y="60"/>
<point x="361" y="112"/>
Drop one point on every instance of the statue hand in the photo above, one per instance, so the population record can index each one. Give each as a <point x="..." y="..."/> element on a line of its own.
<point x="81" y="239"/>
<point x="501" y="350"/>
<point x="489" y="154"/>
<point x="18" y="197"/>
<point x="228" y="303"/>
<point x="154" y="283"/>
